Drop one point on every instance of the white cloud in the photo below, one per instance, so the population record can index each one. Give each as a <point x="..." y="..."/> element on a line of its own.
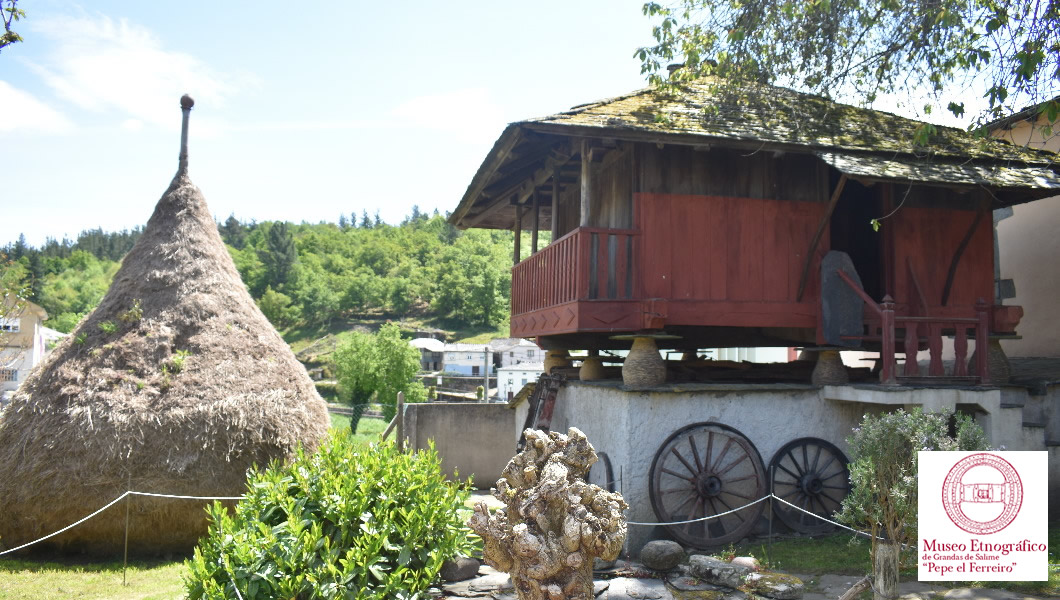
<point x="105" y="65"/>
<point x="469" y="114"/>
<point x="22" y="111"/>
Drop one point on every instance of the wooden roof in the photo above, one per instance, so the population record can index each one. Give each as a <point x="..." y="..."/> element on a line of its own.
<point x="872" y="144"/>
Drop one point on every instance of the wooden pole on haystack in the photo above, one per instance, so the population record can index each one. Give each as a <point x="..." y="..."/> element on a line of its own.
<point x="186" y="103"/>
<point x="128" y="499"/>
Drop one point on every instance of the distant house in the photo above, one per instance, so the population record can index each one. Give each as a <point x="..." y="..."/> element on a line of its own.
<point x="466" y="359"/>
<point x="22" y="342"/>
<point x="514" y="351"/>
<point x="512" y="378"/>
<point x="1027" y="242"/>
<point x="432" y="353"/>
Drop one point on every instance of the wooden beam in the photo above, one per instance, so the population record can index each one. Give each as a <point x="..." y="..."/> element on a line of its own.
<point x="512" y="135"/>
<point x="523" y="190"/>
<point x="518" y="234"/>
<point x="827" y="216"/>
<point x="555" y="206"/>
<point x="586" y="182"/>
<point x="537" y="218"/>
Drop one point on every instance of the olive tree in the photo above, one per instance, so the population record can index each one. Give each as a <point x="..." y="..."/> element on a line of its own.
<point x="883" y="478"/>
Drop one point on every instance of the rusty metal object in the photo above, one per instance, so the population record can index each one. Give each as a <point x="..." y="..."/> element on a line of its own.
<point x="707" y="469"/>
<point x="812" y="474"/>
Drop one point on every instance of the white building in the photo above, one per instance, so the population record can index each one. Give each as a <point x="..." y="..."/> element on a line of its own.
<point x="466" y="359"/>
<point x="513" y="351"/>
<point x="22" y="343"/>
<point x="512" y="378"/>
<point x="432" y="353"/>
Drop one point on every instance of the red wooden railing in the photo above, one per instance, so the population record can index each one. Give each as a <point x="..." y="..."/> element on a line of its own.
<point x="589" y="263"/>
<point x="916" y="328"/>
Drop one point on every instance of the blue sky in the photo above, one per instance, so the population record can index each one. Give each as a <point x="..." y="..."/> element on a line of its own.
<point x="303" y="111"/>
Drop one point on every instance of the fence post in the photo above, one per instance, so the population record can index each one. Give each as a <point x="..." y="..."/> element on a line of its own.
<point x="400" y="416"/>
<point x="887" y="375"/>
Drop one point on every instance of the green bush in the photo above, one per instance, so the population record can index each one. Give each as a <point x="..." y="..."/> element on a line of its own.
<point x="883" y="468"/>
<point x="342" y="523"/>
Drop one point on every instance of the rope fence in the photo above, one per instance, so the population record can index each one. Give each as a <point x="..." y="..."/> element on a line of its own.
<point x="633" y="523"/>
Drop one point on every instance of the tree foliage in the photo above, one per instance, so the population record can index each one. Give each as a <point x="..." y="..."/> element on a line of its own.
<point x="1010" y="48"/>
<point x="302" y="274"/>
<point x="11" y="14"/>
<point x="379" y="365"/>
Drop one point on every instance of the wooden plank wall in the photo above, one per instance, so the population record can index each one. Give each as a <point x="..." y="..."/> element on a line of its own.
<point x="723" y="248"/>
<point x="720" y="172"/>
<point x="927" y="238"/>
<point x="612" y="191"/>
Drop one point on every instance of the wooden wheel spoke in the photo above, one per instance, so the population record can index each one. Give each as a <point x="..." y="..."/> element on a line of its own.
<point x="732" y="493"/>
<point x="695" y="452"/>
<point x="696" y="514"/>
<point x="710" y="447"/>
<point x="834" y="501"/>
<point x="835" y="487"/>
<point x="678" y="475"/>
<point x="825" y="466"/>
<point x="683" y="461"/>
<point x="791" y="493"/>
<point x="785" y="469"/>
<point x="816" y="458"/>
<point x="744" y="478"/>
<point x="727" y="507"/>
<point x="721" y="456"/>
<point x="795" y="463"/>
<point x="731" y="465"/>
<point x="833" y="475"/>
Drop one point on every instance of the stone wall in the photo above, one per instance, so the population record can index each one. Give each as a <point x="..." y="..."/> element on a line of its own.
<point x="472" y="439"/>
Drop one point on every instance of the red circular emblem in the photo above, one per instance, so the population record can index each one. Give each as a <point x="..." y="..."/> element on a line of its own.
<point x="982" y="493"/>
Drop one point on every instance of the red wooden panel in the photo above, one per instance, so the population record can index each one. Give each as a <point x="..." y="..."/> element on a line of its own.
<point x="927" y="239"/>
<point x="684" y="243"/>
<point x="776" y="246"/>
<point x="716" y="214"/>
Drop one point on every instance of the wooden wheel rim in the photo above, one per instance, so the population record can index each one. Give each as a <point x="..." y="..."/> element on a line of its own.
<point x="706" y="469"/>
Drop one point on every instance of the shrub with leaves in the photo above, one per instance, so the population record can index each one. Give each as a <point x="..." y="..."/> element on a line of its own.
<point x="342" y="523"/>
<point x="883" y="468"/>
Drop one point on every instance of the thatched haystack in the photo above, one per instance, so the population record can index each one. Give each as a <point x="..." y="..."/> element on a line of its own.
<point x="175" y="384"/>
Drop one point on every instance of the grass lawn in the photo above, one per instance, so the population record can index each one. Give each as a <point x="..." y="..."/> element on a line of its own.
<point x="23" y="579"/>
<point x="836" y="554"/>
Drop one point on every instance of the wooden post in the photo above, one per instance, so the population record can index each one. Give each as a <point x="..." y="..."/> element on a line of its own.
<point x="812" y="250"/>
<point x="885" y="571"/>
<point x="400" y="417"/>
<point x="555" y="205"/>
<point x="518" y="234"/>
<point x="485" y="373"/>
<point x="128" y="499"/>
<point x="887" y="375"/>
<point x="586" y="183"/>
<point x="537" y="217"/>
<point x="982" y="342"/>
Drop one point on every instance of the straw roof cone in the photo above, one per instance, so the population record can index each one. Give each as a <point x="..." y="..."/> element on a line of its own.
<point x="175" y="384"/>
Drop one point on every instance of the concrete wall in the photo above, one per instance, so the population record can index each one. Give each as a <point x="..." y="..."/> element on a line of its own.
<point x="471" y="439"/>
<point x="631" y="426"/>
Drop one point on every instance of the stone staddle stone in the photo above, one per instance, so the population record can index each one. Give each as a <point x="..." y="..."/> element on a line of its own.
<point x="643" y="366"/>
<point x="997" y="364"/>
<point x="556" y="358"/>
<point x="592" y="369"/>
<point x="829" y="369"/>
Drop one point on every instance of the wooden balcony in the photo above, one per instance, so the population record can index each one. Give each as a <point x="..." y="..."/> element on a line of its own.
<point x="581" y="282"/>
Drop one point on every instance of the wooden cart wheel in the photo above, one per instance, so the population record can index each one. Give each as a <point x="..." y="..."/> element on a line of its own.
<point x="601" y="473"/>
<point x="706" y="469"/>
<point x="812" y="474"/>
